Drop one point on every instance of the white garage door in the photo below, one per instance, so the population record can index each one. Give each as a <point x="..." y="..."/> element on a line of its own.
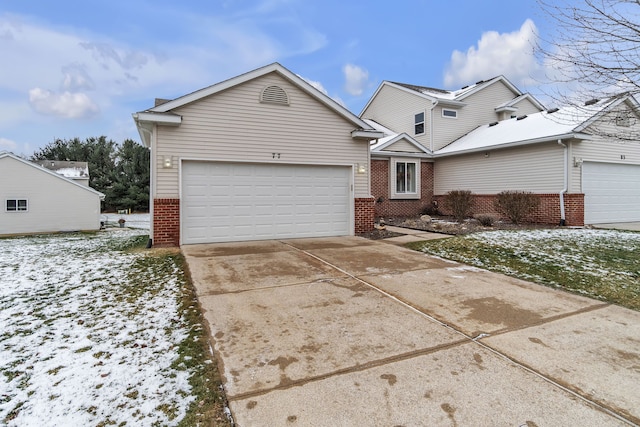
<point x="611" y="192"/>
<point x="226" y="202"/>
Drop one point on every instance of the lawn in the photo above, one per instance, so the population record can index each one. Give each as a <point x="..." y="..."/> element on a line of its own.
<point x="601" y="264"/>
<point x="96" y="330"/>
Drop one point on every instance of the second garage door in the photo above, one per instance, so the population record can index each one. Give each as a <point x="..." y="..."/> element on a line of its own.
<point x="226" y="202"/>
<point x="611" y="192"/>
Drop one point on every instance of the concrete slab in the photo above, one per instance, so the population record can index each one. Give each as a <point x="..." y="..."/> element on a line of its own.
<point x="234" y="248"/>
<point x="461" y="386"/>
<point x="411" y="231"/>
<point x="329" y="242"/>
<point x="628" y="226"/>
<point x="232" y="273"/>
<point x="595" y="353"/>
<point x="477" y="301"/>
<point x="412" y="238"/>
<point x="277" y="337"/>
<point x="377" y="259"/>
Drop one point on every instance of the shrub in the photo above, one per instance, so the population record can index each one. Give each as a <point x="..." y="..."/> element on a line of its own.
<point x="516" y="205"/>
<point x="486" y="219"/>
<point x="430" y="209"/>
<point x="459" y="202"/>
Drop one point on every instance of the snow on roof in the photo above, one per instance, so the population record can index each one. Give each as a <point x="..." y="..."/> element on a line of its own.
<point x="390" y="137"/>
<point x="537" y="127"/>
<point x="449" y="95"/>
<point x="68" y="169"/>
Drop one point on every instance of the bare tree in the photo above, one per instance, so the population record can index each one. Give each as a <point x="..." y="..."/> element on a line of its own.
<point x="592" y="52"/>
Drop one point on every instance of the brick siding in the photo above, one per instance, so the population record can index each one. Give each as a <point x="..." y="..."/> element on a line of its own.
<point x="548" y="212"/>
<point x="380" y="189"/>
<point x="364" y="214"/>
<point x="166" y="222"/>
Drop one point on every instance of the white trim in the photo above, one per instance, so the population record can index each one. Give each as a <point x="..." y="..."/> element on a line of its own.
<point x="449" y="117"/>
<point x="165" y="119"/>
<point x="416" y="123"/>
<point x="399" y="137"/>
<point x="393" y="194"/>
<point x="17" y="205"/>
<point x="366" y="134"/>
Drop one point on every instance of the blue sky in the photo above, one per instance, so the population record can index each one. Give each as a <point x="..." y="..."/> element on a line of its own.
<point x="80" y="68"/>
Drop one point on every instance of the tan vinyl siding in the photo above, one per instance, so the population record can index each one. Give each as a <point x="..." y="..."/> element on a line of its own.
<point x="526" y="107"/>
<point x="537" y="168"/>
<point x="54" y="204"/>
<point x="480" y="109"/>
<point x="602" y="149"/>
<point x="396" y="109"/>
<point x="403" y="146"/>
<point x="234" y="126"/>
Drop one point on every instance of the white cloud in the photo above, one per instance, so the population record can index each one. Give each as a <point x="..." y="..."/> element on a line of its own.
<point x="509" y="54"/>
<point x="7" y="144"/>
<point x="356" y="79"/>
<point x="321" y="88"/>
<point x="66" y="104"/>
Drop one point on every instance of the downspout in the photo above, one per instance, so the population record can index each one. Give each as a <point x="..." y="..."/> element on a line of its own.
<point x="566" y="183"/>
<point x="151" y="181"/>
<point x="433" y="105"/>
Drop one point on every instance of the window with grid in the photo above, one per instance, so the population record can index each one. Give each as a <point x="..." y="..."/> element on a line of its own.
<point x="16" y="205"/>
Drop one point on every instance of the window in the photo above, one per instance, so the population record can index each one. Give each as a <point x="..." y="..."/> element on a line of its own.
<point x="405" y="182"/>
<point x="452" y="114"/>
<point x="16" y="205"/>
<point x="419" y="124"/>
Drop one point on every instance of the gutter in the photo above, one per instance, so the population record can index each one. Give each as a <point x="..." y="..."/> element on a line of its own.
<point x="566" y="182"/>
<point x="433" y="105"/>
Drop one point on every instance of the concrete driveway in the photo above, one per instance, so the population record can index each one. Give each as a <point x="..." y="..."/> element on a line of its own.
<point x="626" y="226"/>
<point x="352" y="332"/>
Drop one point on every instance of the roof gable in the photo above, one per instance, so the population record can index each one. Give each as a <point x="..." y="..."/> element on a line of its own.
<point x="5" y="154"/>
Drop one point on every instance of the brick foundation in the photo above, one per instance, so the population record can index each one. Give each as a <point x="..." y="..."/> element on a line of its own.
<point x="548" y="212"/>
<point x="166" y="222"/>
<point x="380" y="189"/>
<point x="364" y="214"/>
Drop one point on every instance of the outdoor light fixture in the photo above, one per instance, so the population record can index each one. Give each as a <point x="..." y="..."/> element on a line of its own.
<point x="167" y="162"/>
<point x="360" y="168"/>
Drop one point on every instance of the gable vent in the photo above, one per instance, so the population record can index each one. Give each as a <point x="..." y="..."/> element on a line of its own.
<point x="521" y="117"/>
<point x="591" y="102"/>
<point x="274" y="95"/>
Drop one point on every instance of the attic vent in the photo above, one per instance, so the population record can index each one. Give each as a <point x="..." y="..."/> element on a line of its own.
<point x="274" y="95"/>
<point x="591" y="102"/>
<point x="479" y="82"/>
<point x="553" y="110"/>
<point x="521" y="117"/>
<point x="493" y="124"/>
<point x="464" y="87"/>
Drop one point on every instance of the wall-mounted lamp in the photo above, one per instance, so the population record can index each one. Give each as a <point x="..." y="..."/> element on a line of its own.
<point x="577" y="162"/>
<point x="167" y="162"/>
<point x="361" y="168"/>
<point x="486" y="154"/>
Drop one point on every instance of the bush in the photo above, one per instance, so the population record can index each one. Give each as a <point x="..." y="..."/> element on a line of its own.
<point x="431" y="209"/>
<point x="516" y="205"/>
<point x="459" y="202"/>
<point x="486" y="219"/>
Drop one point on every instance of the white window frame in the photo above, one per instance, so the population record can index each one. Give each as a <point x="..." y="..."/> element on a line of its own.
<point x="449" y="117"/>
<point x="18" y="208"/>
<point x="416" y="123"/>
<point x="394" y="194"/>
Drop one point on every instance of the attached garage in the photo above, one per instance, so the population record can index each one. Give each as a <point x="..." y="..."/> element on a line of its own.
<point x="611" y="192"/>
<point x="263" y="155"/>
<point x="224" y="201"/>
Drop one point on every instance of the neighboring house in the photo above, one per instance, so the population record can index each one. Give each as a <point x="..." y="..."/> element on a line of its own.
<point x="37" y="200"/>
<point x="490" y="137"/>
<point x="76" y="171"/>
<point x="263" y="155"/>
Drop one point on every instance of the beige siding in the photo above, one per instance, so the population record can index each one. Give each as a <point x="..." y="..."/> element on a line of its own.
<point x="396" y="109"/>
<point x="403" y="146"/>
<point x="234" y="126"/>
<point x="526" y="107"/>
<point x="480" y="109"/>
<point x="54" y="204"/>
<point x="537" y="168"/>
<point x="602" y="149"/>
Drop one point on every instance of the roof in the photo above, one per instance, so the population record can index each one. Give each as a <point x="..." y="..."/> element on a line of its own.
<point x="6" y="154"/>
<point x="391" y="137"/>
<point x="162" y="114"/>
<point x="69" y="169"/>
<point x="545" y="126"/>
<point x="455" y="97"/>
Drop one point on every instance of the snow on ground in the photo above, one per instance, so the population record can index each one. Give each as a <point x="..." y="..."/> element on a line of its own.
<point x="131" y="221"/>
<point x="79" y="345"/>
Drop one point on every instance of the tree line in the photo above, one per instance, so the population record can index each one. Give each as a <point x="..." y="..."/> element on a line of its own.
<point x="119" y="171"/>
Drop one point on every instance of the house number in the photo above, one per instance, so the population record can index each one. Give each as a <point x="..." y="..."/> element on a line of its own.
<point x="275" y="155"/>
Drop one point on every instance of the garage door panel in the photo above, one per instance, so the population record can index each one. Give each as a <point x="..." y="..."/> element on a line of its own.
<point x="611" y="192"/>
<point x="235" y="202"/>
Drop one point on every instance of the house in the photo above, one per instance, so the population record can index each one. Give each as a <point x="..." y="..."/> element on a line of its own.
<point x="490" y="137"/>
<point x="37" y="200"/>
<point x="263" y="155"/>
<point x="76" y="171"/>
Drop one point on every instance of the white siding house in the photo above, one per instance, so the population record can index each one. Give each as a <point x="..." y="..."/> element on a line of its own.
<point x="260" y="156"/>
<point x="36" y="200"/>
